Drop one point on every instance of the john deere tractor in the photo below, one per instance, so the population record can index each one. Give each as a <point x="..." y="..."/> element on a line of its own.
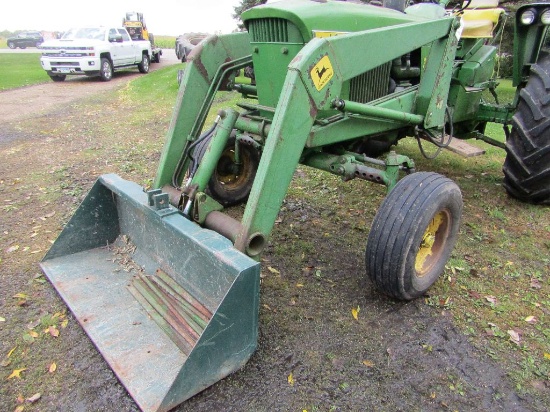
<point x="334" y="86"/>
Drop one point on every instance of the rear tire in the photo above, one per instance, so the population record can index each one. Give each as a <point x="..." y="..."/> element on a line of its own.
<point x="11" y="45"/>
<point x="144" y="65"/>
<point x="527" y="165"/>
<point x="106" y="70"/>
<point x="413" y="235"/>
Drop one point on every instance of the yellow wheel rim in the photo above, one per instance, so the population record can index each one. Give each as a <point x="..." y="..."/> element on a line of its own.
<point x="433" y="243"/>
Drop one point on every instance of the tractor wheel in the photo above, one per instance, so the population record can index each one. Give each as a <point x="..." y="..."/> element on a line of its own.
<point x="527" y="165"/>
<point x="413" y="234"/>
<point x="143" y="67"/>
<point x="230" y="183"/>
<point x="106" y="70"/>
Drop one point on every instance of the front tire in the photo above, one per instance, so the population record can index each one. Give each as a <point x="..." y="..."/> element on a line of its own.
<point x="230" y="183"/>
<point x="527" y="165"/>
<point x="144" y="65"/>
<point x="413" y="235"/>
<point x="58" y="77"/>
<point x="106" y="70"/>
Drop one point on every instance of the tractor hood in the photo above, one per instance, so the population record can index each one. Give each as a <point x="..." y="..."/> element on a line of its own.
<point x="324" y="18"/>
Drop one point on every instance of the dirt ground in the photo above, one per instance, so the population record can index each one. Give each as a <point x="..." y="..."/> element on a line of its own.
<point x="312" y="354"/>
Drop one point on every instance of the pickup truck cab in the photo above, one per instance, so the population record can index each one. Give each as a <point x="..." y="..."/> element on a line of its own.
<point x="94" y="51"/>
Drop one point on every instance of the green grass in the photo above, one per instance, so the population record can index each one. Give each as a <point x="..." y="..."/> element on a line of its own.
<point x="21" y="69"/>
<point x="165" y="42"/>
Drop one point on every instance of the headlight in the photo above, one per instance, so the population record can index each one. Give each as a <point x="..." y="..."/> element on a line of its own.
<point x="545" y="17"/>
<point x="528" y="17"/>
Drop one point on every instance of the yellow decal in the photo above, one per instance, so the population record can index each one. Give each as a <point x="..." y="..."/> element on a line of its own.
<point x="321" y="73"/>
<point x="322" y="34"/>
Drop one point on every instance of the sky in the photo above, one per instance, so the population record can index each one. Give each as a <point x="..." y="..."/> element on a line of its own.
<point x="163" y="17"/>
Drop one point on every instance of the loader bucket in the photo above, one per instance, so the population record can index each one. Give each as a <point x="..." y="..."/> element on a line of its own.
<point x="172" y="307"/>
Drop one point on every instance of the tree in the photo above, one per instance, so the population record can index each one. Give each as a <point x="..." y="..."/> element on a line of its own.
<point x="245" y="5"/>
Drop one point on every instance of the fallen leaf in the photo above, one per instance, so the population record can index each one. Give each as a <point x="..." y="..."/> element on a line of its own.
<point x="368" y="363"/>
<point x="2" y="319"/>
<point x="16" y="373"/>
<point x="64" y="323"/>
<point x="20" y="408"/>
<point x="547" y="356"/>
<point x="20" y="296"/>
<point x="491" y="299"/>
<point x="34" y="324"/>
<point x="11" y="351"/>
<point x="52" y="330"/>
<point x="52" y="368"/>
<point x="299" y="285"/>
<point x="12" y="249"/>
<point x="308" y="270"/>
<point x="514" y="336"/>
<point x="34" y="398"/>
<point x="272" y="270"/>
<point x="531" y="319"/>
<point x="474" y="294"/>
<point x="33" y="333"/>
<point x="355" y="312"/>
<point x="290" y="379"/>
<point x="535" y="283"/>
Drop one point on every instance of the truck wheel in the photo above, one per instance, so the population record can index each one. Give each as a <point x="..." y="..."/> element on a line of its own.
<point x="527" y="165"/>
<point x="57" y="77"/>
<point x="12" y="45"/>
<point x="144" y="65"/>
<point x="230" y="183"/>
<point x="413" y="234"/>
<point x="106" y="70"/>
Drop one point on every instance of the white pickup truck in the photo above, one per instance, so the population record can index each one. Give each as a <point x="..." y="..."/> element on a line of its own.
<point x="94" y="51"/>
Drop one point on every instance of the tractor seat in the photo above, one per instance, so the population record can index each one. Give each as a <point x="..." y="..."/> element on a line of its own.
<point x="480" y="19"/>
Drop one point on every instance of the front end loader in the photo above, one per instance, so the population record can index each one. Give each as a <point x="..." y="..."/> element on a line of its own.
<point x="166" y="283"/>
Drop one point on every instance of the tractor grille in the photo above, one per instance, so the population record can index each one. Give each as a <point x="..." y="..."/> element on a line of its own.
<point x="370" y="85"/>
<point x="269" y="30"/>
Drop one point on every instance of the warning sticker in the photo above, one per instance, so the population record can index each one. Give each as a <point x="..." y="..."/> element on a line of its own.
<point x="321" y="73"/>
<point x="323" y="34"/>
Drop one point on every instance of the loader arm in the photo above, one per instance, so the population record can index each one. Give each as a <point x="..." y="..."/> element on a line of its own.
<point x="207" y="67"/>
<point x="304" y="95"/>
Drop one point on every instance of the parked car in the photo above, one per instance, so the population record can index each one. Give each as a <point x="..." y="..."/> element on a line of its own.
<point x="25" y="39"/>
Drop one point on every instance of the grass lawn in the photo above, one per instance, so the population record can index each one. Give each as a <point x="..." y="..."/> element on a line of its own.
<point x="21" y="69"/>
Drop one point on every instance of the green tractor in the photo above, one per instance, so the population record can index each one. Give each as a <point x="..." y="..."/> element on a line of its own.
<point x="166" y="283"/>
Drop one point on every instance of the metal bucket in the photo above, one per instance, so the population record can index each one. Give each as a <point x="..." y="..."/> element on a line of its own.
<point x="172" y="307"/>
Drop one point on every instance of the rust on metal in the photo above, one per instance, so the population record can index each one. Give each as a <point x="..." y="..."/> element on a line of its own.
<point x="223" y="224"/>
<point x="175" y="310"/>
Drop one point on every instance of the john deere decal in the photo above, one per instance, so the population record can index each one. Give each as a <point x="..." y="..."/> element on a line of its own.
<point x="321" y="73"/>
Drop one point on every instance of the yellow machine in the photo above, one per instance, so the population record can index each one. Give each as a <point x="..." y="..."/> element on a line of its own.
<point x="135" y="24"/>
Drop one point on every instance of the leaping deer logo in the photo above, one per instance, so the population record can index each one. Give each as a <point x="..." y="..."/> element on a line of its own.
<point x="321" y="72"/>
